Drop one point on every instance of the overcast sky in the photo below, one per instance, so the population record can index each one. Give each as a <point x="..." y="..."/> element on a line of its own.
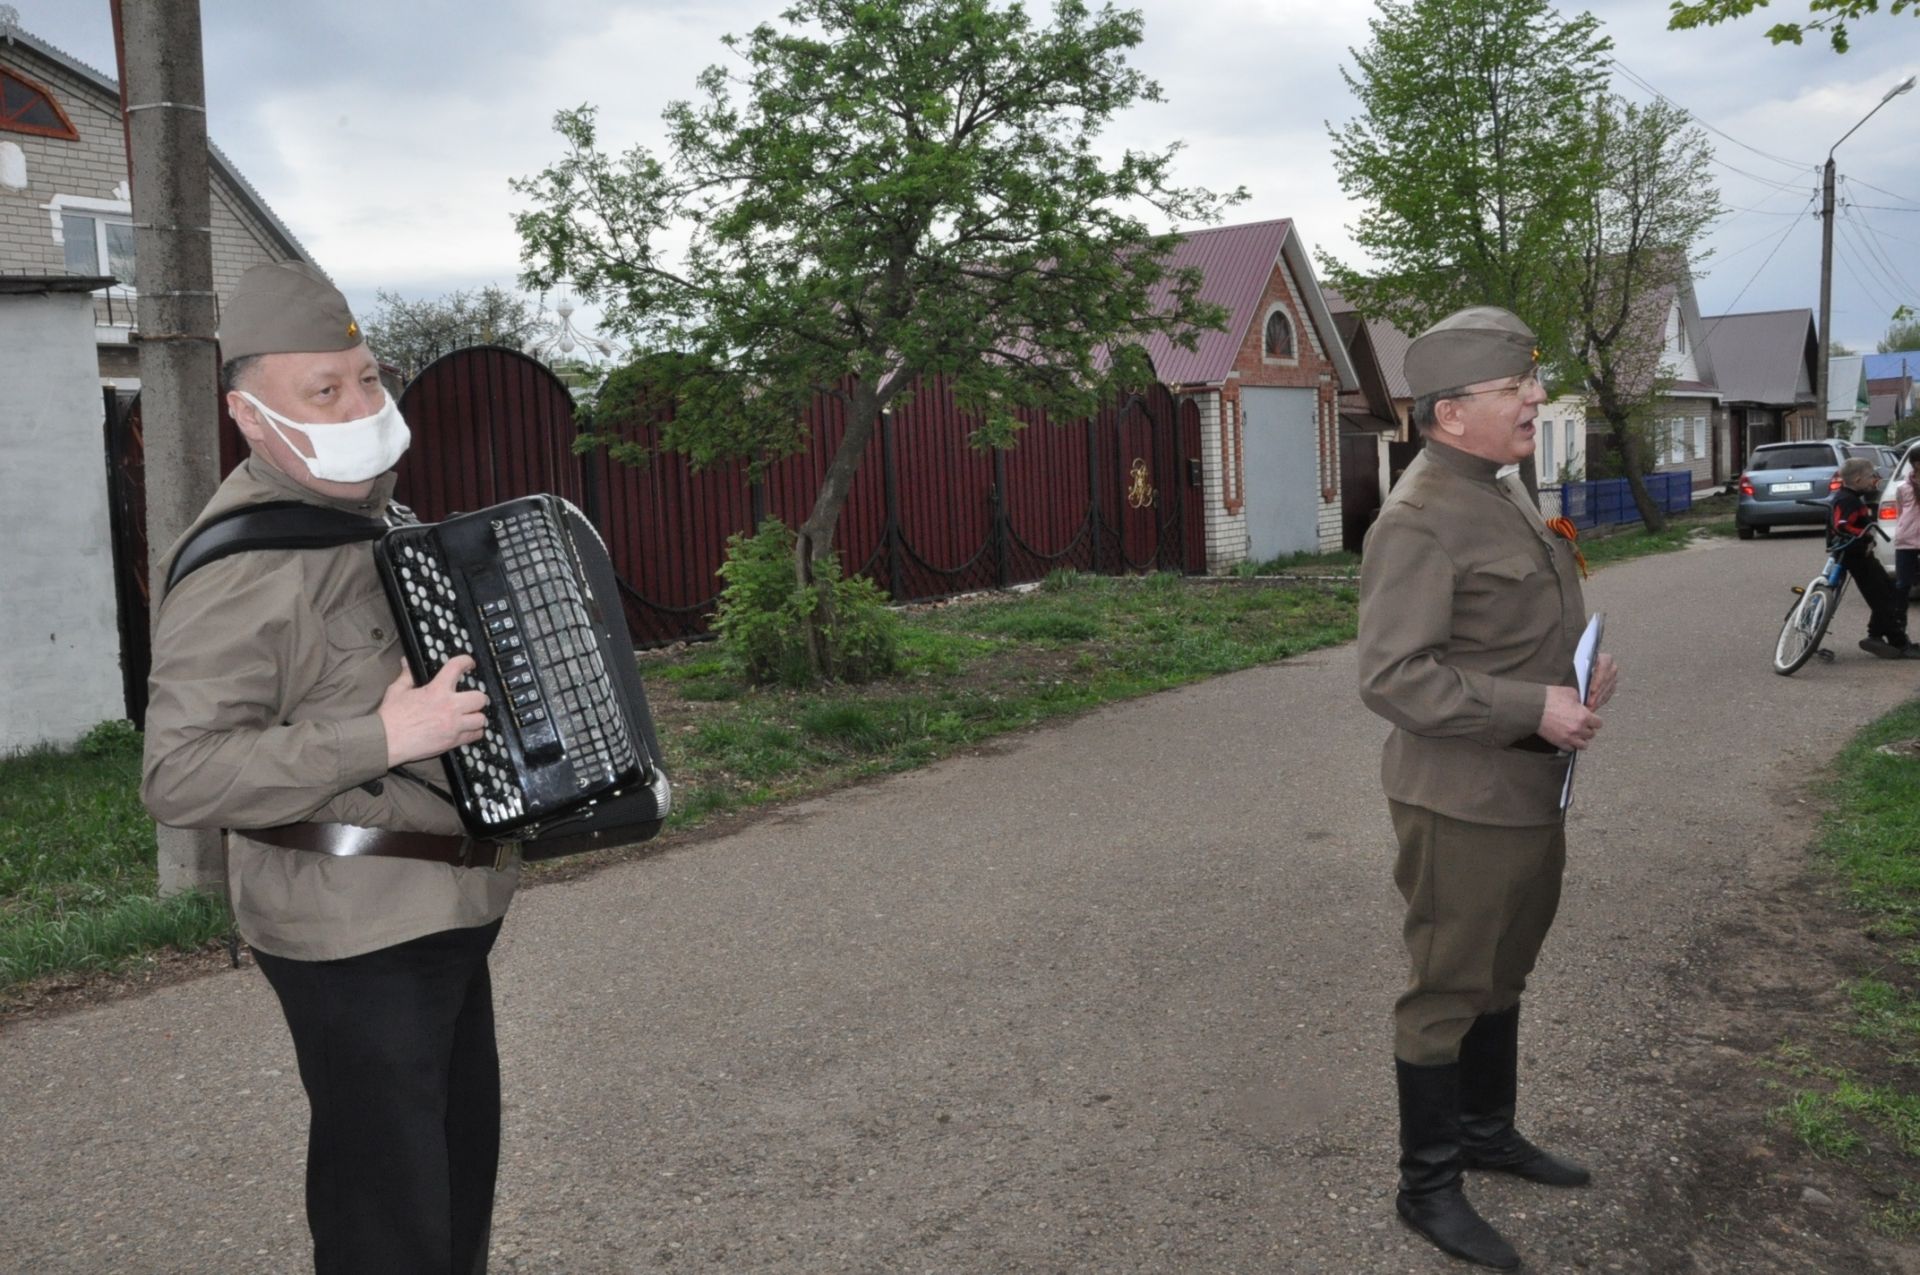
<point x="384" y="134"/>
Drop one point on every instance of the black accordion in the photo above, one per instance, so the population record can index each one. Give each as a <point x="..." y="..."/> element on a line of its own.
<point x="570" y="760"/>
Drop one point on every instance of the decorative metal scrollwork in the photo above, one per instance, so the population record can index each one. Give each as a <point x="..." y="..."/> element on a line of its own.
<point x="1139" y="494"/>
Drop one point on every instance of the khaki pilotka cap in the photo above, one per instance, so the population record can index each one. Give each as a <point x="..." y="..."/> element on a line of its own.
<point x="1479" y="343"/>
<point x="285" y="307"/>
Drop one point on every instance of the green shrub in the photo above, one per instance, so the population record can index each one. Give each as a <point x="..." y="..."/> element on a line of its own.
<point x="764" y="618"/>
<point x="115" y="738"/>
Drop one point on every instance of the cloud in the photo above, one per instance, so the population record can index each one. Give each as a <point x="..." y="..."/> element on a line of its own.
<point x="384" y="133"/>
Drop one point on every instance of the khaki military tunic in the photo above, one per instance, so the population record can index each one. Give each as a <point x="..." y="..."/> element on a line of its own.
<point x="1469" y="609"/>
<point x="268" y="671"/>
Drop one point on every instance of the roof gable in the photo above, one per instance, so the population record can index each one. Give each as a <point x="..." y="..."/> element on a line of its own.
<point x="1765" y="357"/>
<point x="109" y="89"/>
<point x="1235" y="263"/>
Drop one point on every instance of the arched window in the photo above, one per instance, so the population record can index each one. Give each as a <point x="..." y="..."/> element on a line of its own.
<point x="1279" y="336"/>
<point x="25" y="107"/>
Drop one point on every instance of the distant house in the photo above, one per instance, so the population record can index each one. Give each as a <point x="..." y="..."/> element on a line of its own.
<point x="1680" y="419"/>
<point x="1847" y="397"/>
<point x="1377" y="438"/>
<point x="1892" y="404"/>
<point x="1267" y="389"/>
<point x="65" y="208"/>
<point x="1765" y="364"/>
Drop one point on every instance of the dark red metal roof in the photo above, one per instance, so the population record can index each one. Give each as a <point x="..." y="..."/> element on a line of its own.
<point x="1236" y="262"/>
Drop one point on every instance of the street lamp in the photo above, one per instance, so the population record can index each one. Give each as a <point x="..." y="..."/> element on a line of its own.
<point x="1826" y="251"/>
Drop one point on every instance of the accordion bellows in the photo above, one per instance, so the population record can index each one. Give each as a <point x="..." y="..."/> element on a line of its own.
<point x="569" y="760"/>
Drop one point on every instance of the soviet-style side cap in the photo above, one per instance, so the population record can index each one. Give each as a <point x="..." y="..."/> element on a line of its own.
<point x="1479" y="343"/>
<point x="285" y="307"/>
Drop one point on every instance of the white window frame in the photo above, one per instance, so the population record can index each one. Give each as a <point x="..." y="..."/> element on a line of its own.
<point x="1699" y="438"/>
<point x="102" y="211"/>
<point x="1293" y="330"/>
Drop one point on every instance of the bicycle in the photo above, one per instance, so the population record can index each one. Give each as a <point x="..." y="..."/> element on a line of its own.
<point x="1811" y="613"/>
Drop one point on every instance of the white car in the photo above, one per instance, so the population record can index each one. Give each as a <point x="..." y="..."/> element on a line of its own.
<point x="1884" y="547"/>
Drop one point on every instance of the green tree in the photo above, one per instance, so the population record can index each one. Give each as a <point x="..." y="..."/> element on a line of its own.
<point x="1902" y="334"/>
<point x="1469" y="160"/>
<point x="413" y="333"/>
<point x="1654" y="199"/>
<point x="900" y="188"/>
<point x="1833" y="19"/>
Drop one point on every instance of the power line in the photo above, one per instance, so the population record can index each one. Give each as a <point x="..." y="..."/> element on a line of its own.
<point x="1889" y="194"/>
<point x="1885" y="234"/>
<point x="1749" y="247"/>
<point x="1734" y="304"/>
<point x="1631" y="75"/>
<point x="1886" y="208"/>
<point x="1851" y="257"/>
<point x="1870" y="240"/>
<point x="1764" y="181"/>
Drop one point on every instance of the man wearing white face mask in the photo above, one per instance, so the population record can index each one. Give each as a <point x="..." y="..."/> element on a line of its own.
<point x="281" y="710"/>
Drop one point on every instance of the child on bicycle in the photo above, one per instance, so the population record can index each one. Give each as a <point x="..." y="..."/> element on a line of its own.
<point x="1852" y="523"/>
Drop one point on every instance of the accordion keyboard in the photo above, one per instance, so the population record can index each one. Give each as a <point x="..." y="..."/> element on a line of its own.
<point x="433" y="611"/>
<point x="552" y="619"/>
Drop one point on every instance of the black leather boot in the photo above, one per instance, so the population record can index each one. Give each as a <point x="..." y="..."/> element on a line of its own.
<point x="1489" y="1082"/>
<point x="1430" y="1199"/>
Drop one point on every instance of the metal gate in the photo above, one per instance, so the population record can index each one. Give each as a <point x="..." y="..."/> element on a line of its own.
<point x="1283" y="471"/>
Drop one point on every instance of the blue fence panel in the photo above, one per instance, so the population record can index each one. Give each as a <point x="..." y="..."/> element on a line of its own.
<point x="1607" y="502"/>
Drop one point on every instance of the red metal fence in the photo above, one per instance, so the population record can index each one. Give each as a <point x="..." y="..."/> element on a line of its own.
<point x="928" y="516"/>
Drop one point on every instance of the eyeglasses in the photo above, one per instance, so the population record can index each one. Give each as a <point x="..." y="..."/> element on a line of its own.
<point x="1529" y="380"/>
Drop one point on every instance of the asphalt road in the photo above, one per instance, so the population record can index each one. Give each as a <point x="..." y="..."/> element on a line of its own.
<point x="1111" y="997"/>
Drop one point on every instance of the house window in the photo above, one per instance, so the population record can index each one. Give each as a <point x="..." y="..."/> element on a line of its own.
<point x="1699" y="438"/>
<point x="95" y="235"/>
<point x="1674" y="441"/>
<point x="1547" y="469"/>
<point x="25" y="107"/>
<point x="98" y="246"/>
<point x="1279" y="336"/>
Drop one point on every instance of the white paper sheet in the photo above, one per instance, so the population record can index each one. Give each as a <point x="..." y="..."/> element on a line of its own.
<point x="1584" y="656"/>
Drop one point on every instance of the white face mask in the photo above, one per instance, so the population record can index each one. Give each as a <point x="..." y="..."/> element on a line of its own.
<point x="351" y="451"/>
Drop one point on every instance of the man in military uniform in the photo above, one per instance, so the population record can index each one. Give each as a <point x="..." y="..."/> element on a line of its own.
<point x="1470" y="611"/>
<point x="280" y="709"/>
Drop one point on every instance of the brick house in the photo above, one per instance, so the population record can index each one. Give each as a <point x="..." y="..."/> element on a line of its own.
<point x="1765" y="364"/>
<point x="65" y="207"/>
<point x="1267" y="389"/>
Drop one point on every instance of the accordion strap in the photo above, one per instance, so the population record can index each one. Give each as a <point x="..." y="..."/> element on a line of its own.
<point x="348" y="840"/>
<point x="275" y="524"/>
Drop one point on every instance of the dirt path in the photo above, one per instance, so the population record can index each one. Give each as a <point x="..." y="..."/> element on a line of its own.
<point x="1110" y="998"/>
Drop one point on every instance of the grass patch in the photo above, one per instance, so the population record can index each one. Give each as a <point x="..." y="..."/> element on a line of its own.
<point x="77" y="864"/>
<point x="1854" y="1094"/>
<point x="1711" y="517"/>
<point x="1816" y="1121"/>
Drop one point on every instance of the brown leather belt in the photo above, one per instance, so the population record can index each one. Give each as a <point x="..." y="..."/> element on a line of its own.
<point x="348" y="840"/>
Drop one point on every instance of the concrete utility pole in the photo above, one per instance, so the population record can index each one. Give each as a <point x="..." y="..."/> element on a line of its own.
<point x="1826" y="253"/>
<point x="164" y="94"/>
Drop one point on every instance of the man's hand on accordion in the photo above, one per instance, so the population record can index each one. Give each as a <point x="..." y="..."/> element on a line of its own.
<point x="425" y="721"/>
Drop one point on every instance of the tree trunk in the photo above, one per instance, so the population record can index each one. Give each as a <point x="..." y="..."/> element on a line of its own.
<point x="814" y="542"/>
<point x="1650" y="513"/>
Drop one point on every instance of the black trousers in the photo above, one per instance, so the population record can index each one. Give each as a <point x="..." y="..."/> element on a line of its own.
<point x="397" y="1054"/>
<point x="1888" y="607"/>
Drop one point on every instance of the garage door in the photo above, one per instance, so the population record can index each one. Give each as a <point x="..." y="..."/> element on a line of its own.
<point x="1283" y="472"/>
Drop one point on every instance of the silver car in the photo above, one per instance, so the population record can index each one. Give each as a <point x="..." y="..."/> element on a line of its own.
<point x="1781" y="478"/>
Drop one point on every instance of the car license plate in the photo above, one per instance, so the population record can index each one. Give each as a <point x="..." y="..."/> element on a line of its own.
<point x="1780" y="487"/>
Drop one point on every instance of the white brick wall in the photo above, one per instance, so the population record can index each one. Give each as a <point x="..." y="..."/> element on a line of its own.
<point x="1226" y="532"/>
